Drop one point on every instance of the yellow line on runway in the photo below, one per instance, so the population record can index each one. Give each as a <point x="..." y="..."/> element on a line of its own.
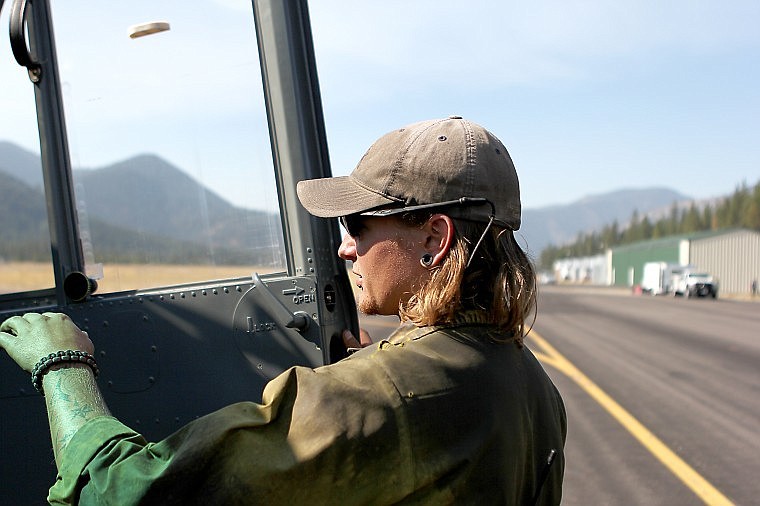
<point x="687" y="474"/>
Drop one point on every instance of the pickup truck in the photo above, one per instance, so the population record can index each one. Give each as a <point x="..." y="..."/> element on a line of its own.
<point x="694" y="284"/>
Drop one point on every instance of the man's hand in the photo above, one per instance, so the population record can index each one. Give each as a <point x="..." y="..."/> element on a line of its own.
<point x="30" y="337"/>
<point x="351" y="342"/>
<point x="72" y="397"/>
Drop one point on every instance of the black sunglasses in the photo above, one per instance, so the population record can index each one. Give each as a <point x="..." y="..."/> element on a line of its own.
<point x="354" y="223"/>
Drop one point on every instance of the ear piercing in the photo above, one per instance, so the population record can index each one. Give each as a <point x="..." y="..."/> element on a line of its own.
<point x="426" y="260"/>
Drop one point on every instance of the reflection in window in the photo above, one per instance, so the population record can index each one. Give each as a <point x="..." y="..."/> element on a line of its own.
<point x="25" y="262"/>
<point x="25" y="258"/>
<point x="169" y="143"/>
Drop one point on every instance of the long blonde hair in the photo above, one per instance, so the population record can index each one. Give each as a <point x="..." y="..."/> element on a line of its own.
<point x="497" y="288"/>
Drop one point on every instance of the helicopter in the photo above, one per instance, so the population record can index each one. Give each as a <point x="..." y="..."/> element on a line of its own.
<point x="224" y="297"/>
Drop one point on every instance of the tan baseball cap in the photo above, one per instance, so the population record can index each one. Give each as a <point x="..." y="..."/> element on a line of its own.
<point x="448" y="162"/>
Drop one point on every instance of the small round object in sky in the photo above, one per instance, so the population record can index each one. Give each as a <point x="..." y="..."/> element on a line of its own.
<point x="144" y="29"/>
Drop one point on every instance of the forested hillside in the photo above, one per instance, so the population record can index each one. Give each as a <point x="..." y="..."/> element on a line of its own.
<point x="739" y="210"/>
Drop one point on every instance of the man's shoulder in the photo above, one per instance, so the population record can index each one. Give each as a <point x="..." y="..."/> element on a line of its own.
<point x="470" y="339"/>
<point x="425" y="358"/>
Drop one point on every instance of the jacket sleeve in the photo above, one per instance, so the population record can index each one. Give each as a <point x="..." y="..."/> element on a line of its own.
<point x="318" y="435"/>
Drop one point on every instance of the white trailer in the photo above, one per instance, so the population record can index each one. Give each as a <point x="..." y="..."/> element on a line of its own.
<point x="657" y="277"/>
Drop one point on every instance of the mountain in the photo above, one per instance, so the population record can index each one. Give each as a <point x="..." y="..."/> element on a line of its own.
<point x="181" y="219"/>
<point x="21" y="164"/>
<point x="142" y="209"/>
<point x="172" y="204"/>
<point x="22" y="218"/>
<point x="561" y="224"/>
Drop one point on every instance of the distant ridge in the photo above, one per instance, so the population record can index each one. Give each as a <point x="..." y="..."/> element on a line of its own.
<point x="177" y="219"/>
<point x="557" y="225"/>
<point x="180" y="214"/>
<point x="21" y="164"/>
<point x="172" y="204"/>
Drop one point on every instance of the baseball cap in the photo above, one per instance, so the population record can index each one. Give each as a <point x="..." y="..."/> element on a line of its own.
<point x="450" y="161"/>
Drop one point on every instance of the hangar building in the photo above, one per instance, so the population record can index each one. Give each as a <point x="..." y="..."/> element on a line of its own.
<point x="732" y="257"/>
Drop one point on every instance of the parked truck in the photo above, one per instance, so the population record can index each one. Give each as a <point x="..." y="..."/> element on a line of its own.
<point x="688" y="282"/>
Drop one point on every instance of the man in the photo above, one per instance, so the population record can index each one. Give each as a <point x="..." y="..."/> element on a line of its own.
<point x="450" y="409"/>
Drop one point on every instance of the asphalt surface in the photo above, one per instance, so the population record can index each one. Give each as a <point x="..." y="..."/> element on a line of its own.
<point x="662" y="395"/>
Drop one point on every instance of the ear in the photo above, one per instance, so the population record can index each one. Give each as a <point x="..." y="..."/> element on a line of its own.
<point x="439" y="231"/>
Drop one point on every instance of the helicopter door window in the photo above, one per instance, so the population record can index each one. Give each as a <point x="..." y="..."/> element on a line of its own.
<point x="168" y="139"/>
<point x="25" y="258"/>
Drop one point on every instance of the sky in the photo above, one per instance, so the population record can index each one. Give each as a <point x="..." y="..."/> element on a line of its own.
<point x="588" y="96"/>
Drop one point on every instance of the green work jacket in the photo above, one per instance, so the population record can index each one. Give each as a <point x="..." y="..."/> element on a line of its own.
<point x="439" y="415"/>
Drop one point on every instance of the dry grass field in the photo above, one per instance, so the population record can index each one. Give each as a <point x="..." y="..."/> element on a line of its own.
<point x="24" y="276"/>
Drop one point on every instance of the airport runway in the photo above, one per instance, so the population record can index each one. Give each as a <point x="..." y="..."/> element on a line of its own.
<point x="662" y="395"/>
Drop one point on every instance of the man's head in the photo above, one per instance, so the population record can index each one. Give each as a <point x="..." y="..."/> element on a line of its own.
<point x="430" y="210"/>
<point x="429" y="163"/>
<point x="387" y="258"/>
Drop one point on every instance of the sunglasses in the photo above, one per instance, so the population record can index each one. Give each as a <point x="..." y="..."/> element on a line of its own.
<point x="354" y="223"/>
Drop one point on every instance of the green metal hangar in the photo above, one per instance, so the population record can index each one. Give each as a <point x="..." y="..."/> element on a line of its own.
<point x="732" y="257"/>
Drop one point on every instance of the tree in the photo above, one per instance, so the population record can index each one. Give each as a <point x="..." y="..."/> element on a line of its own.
<point x="708" y="220"/>
<point x="741" y="209"/>
<point x="691" y="221"/>
<point x="751" y="218"/>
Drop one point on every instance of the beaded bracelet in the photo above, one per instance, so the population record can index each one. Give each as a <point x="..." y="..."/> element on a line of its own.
<point x="45" y="363"/>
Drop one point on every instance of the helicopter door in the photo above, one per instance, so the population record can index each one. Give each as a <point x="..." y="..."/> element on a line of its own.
<point x="150" y="195"/>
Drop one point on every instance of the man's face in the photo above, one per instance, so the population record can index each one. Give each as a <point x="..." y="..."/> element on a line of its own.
<point x="386" y="262"/>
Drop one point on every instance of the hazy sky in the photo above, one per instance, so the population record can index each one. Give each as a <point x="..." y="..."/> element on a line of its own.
<point x="588" y="96"/>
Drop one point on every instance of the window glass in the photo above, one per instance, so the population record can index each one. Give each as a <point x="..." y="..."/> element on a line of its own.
<point x="168" y="141"/>
<point x="25" y="258"/>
